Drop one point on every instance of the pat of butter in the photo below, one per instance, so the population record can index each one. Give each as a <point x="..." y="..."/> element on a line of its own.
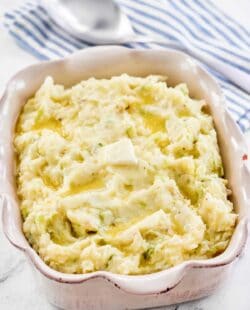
<point x="158" y="220"/>
<point x="119" y="153"/>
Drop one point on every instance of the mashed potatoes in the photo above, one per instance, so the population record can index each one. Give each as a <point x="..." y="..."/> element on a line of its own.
<point x="122" y="175"/>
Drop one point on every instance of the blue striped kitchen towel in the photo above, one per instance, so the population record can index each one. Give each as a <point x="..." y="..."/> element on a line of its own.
<point x="196" y="23"/>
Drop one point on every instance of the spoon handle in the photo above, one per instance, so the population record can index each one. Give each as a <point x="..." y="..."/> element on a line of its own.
<point x="235" y="75"/>
<point x="156" y="40"/>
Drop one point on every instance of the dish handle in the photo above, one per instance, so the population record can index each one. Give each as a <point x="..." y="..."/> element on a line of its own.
<point x="11" y="221"/>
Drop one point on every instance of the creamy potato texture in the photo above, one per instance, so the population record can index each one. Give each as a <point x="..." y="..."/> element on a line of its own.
<point x="120" y="174"/>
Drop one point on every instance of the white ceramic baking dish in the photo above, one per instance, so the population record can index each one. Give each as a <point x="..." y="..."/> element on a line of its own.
<point x="104" y="290"/>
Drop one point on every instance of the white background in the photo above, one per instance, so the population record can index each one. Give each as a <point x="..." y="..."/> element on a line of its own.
<point x="17" y="289"/>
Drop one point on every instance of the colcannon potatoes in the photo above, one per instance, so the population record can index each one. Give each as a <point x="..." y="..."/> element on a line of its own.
<point x="120" y="174"/>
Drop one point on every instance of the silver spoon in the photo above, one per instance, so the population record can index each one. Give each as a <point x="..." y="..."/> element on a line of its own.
<point x="103" y="22"/>
<point x="96" y="21"/>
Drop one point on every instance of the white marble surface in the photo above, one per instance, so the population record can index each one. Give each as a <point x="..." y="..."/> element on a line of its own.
<point x="17" y="289"/>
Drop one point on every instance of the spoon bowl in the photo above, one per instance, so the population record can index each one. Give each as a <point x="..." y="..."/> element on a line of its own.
<point x="94" y="21"/>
